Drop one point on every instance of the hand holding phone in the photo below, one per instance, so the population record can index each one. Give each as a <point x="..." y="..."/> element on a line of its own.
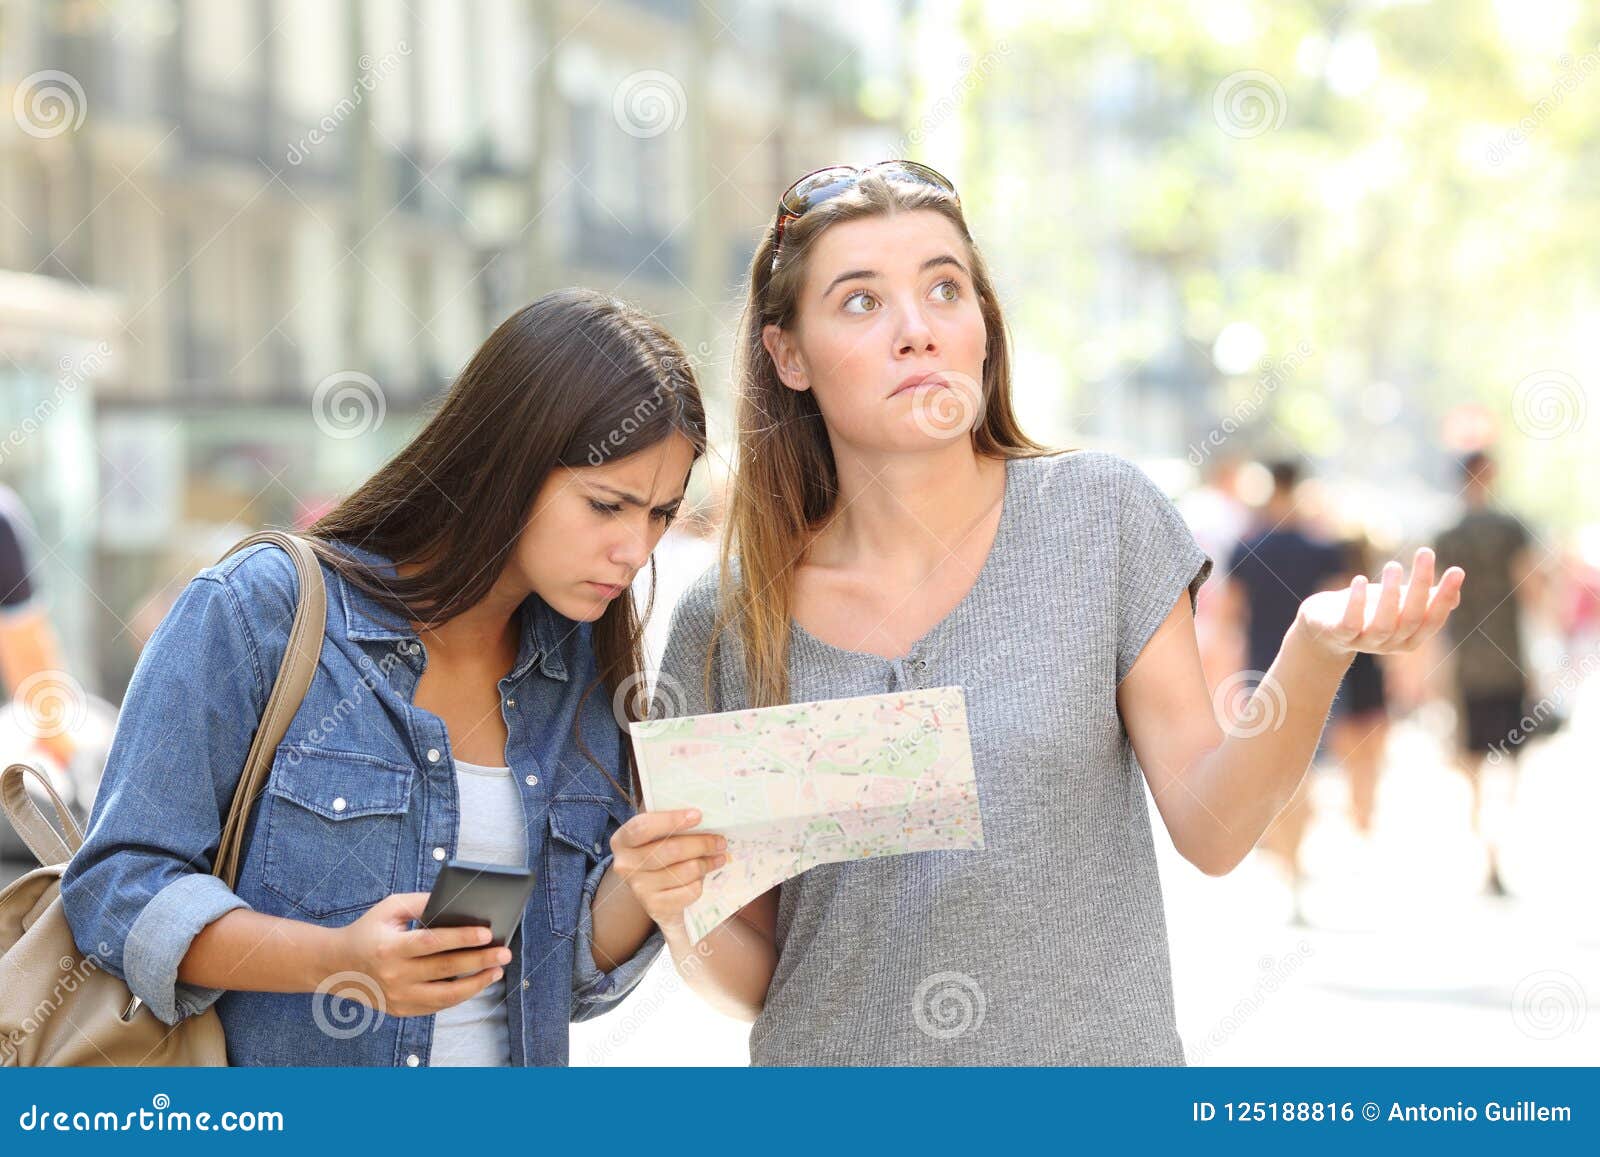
<point x="381" y="961"/>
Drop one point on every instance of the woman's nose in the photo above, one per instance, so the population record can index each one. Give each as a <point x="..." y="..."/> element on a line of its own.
<point x="631" y="551"/>
<point x="916" y="335"/>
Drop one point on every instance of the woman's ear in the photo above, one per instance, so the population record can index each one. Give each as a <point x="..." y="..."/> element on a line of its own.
<point x="785" y="357"/>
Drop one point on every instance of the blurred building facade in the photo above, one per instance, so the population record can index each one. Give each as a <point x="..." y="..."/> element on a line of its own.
<point x="309" y="214"/>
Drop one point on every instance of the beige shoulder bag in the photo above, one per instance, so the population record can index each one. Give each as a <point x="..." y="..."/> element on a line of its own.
<point x="61" y="1007"/>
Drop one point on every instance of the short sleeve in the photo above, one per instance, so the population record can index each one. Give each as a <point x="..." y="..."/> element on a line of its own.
<point x="1157" y="559"/>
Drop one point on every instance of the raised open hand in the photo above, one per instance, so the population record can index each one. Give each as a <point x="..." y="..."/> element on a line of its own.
<point x="1394" y="616"/>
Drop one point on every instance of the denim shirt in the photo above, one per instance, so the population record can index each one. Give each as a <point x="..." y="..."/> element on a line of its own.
<point x="361" y="803"/>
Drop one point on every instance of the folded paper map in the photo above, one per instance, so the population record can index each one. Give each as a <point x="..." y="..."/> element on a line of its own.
<point x="813" y="783"/>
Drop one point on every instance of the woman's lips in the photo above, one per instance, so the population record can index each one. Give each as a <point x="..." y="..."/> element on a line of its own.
<point x="919" y="382"/>
<point x="609" y="590"/>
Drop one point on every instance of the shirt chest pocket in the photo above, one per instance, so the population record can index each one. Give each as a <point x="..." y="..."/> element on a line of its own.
<point x="580" y="837"/>
<point x="334" y="824"/>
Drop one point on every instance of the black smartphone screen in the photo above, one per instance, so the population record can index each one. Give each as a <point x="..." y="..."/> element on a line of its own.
<point x="489" y="895"/>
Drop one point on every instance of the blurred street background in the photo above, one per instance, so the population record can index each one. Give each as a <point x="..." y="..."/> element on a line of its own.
<point x="1325" y="270"/>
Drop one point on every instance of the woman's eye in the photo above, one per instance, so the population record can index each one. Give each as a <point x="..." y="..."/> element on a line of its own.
<point x="666" y="516"/>
<point x="605" y="507"/>
<point x="947" y="291"/>
<point x="867" y="302"/>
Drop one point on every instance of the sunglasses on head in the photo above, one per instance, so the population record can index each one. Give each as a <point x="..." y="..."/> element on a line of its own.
<point x="822" y="185"/>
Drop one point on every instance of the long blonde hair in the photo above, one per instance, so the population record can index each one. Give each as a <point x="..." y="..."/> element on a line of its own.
<point x="785" y="482"/>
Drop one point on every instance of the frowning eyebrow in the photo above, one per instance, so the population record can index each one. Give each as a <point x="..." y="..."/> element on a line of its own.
<point x="633" y="499"/>
<point x="870" y="274"/>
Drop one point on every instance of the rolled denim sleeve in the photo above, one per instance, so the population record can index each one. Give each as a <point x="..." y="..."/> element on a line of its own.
<point x="594" y="991"/>
<point x="140" y="888"/>
<point x="160" y="938"/>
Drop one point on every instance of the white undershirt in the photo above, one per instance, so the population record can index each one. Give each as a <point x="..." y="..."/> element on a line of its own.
<point x="477" y="1031"/>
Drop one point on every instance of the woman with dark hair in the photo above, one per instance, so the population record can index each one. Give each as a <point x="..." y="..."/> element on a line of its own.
<point x="891" y="528"/>
<point x="480" y="656"/>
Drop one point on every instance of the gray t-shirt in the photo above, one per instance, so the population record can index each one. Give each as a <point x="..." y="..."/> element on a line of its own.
<point x="1049" y="946"/>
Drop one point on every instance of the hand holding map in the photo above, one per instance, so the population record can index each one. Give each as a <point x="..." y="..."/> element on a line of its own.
<point x="804" y="784"/>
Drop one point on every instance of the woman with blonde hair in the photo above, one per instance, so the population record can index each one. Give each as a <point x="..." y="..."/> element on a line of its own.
<point x="891" y="527"/>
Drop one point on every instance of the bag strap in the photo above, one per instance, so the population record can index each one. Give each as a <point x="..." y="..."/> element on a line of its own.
<point x="288" y="692"/>
<point x="42" y="839"/>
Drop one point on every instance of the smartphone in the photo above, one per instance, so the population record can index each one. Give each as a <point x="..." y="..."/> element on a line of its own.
<point x="491" y="896"/>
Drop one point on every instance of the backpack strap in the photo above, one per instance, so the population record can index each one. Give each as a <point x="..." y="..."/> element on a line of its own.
<point x="25" y="815"/>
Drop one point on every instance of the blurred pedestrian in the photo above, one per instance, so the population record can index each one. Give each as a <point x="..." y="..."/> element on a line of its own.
<point x="1277" y="566"/>
<point x="1490" y="665"/>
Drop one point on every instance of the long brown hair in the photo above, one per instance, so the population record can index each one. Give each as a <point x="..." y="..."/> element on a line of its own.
<point x="786" y="483"/>
<point x="574" y="377"/>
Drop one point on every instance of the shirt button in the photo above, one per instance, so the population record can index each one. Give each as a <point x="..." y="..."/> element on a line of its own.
<point x="533" y="781"/>
<point x="413" y="1060"/>
<point x="415" y="648"/>
<point x="339" y="805"/>
<point x="433" y="755"/>
<point x="511" y="702"/>
<point x="438" y="853"/>
<point x="922" y="664"/>
<point x="524" y="984"/>
<point x="597" y="847"/>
